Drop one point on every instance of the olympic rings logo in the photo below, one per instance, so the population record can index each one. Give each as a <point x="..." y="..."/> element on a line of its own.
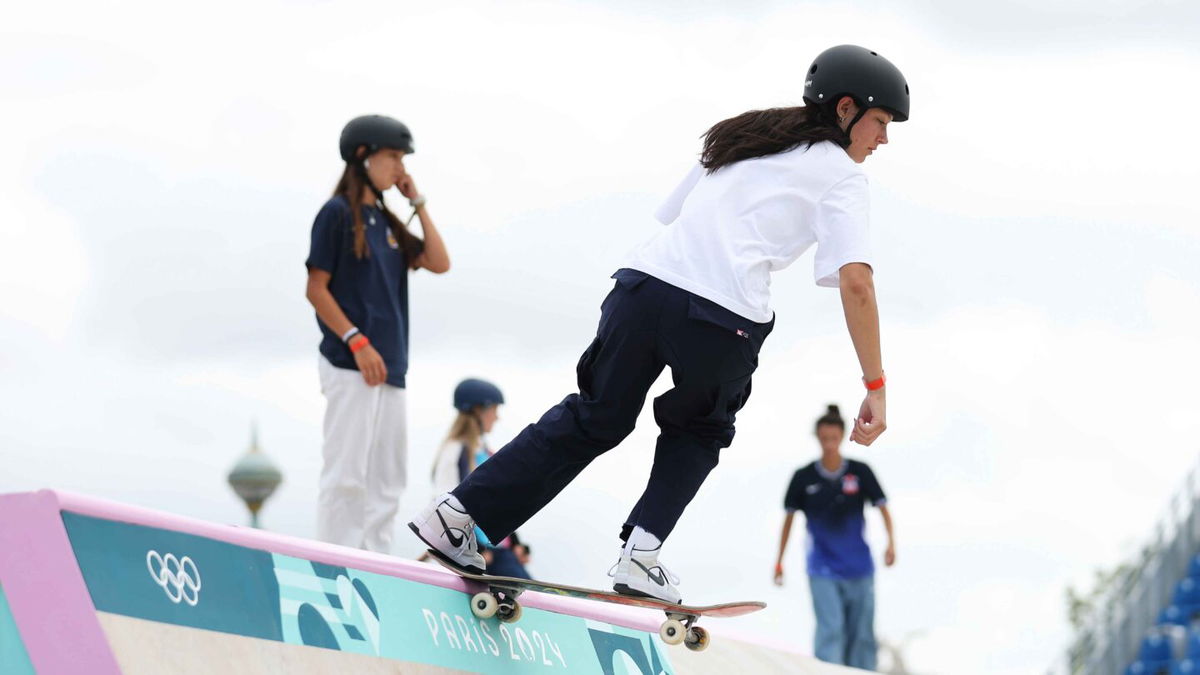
<point x="178" y="577"/>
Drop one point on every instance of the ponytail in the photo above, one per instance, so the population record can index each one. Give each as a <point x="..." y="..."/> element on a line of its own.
<point x="759" y="133"/>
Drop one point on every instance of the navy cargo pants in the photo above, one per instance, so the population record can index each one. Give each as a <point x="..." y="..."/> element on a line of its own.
<point x="645" y="325"/>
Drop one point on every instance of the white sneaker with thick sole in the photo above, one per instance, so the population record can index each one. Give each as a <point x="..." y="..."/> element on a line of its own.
<point x="639" y="573"/>
<point x="450" y="531"/>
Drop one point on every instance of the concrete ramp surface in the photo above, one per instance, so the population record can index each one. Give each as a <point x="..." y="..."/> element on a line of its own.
<point x="90" y="586"/>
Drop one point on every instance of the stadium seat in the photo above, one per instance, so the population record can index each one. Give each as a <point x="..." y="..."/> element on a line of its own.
<point x="1155" y="649"/>
<point x="1179" y="615"/>
<point x="1194" y="568"/>
<point x="1193" y="645"/>
<point x="1188" y="592"/>
<point x="1137" y="668"/>
<point x="1185" y="667"/>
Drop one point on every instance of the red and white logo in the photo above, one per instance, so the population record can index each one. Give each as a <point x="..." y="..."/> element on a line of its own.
<point x="850" y="484"/>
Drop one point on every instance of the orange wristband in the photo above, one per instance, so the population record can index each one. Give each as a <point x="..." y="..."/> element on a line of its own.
<point x="874" y="385"/>
<point x="357" y="346"/>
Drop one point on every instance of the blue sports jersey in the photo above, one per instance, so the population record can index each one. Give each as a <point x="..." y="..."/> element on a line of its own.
<point x="373" y="292"/>
<point x="833" y="503"/>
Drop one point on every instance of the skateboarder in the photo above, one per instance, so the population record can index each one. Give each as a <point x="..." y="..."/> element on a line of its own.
<point x="769" y="184"/>
<point x="358" y="268"/>
<point x="831" y="492"/>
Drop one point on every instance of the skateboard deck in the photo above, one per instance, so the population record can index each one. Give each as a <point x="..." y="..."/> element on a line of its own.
<point x="680" y="618"/>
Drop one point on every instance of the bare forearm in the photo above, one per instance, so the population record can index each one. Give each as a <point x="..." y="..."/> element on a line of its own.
<point x="784" y="536"/>
<point x="437" y="259"/>
<point x="887" y="522"/>
<point x="328" y="310"/>
<point x="862" y="317"/>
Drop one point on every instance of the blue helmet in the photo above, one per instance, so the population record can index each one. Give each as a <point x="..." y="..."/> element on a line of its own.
<point x="472" y="393"/>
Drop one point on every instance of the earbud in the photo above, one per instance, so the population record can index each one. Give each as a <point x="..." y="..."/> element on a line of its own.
<point x="367" y="163"/>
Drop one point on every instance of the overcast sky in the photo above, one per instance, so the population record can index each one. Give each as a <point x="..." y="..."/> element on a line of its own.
<point x="1035" y="227"/>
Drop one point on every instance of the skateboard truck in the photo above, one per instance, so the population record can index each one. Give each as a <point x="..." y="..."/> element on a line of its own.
<point x="498" y="602"/>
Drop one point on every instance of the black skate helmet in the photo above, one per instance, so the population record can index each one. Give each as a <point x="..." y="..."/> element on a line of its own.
<point x="849" y="70"/>
<point x="375" y="132"/>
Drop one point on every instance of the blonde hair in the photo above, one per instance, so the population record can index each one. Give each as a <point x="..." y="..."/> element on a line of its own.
<point x="467" y="431"/>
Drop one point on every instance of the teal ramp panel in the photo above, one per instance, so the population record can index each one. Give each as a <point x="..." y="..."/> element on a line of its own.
<point x="176" y="578"/>
<point x="182" y="579"/>
<point x="14" y="660"/>
<point x="381" y="615"/>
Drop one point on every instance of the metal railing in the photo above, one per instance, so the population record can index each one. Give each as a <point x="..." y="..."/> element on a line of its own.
<point x="1110" y="639"/>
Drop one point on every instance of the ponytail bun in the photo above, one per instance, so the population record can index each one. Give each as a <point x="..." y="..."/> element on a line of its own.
<point x="832" y="416"/>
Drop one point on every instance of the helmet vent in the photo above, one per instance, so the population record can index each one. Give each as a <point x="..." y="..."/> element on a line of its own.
<point x="874" y="54"/>
<point x="813" y="69"/>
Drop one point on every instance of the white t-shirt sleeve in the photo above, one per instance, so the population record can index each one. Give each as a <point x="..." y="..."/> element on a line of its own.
<point x="668" y="211"/>
<point x="842" y="229"/>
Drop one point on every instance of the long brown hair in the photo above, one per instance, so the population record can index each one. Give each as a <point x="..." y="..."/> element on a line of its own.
<point x="351" y="186"/>
<point x="759" y="133"/>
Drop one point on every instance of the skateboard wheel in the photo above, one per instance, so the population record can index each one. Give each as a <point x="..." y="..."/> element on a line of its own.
<point x="484" y="605"/>
<point x="697" y="639"/>
<point x="509" y="613"/>
<point x="672" y="631"/>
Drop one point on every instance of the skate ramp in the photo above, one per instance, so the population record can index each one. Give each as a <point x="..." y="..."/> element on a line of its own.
<point x="93" y="586"/>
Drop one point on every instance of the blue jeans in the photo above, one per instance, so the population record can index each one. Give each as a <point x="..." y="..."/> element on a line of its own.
<point x="845" y="610"/>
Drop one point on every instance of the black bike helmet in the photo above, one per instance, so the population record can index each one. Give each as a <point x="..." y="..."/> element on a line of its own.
<point x="375" y="132"/>
<point x="472" y="393"/>
<point x="850" y="70"/>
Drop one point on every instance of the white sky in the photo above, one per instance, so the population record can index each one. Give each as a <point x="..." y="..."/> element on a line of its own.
<point x="1035" y="224"/>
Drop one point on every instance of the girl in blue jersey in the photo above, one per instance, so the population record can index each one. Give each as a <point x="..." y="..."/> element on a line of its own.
<point x="832" y="492"/>
<point x="358" y="268"/>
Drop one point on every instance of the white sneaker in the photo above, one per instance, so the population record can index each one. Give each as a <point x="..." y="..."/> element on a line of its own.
<point x="639" y="573"/>
<point x="449" y="531"/>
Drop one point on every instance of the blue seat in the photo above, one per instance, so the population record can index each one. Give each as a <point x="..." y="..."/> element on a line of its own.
<point x="1137" y="668"/>
<point x="1194" y="567"/>
<point x="1193" y="645"/>
<point x="1185" y="667"/>
<point x="1156" y="649"/>
<point x="1179" y="615"/>
<point x="1151" y="668"/>
<point x="1188" y="592"/>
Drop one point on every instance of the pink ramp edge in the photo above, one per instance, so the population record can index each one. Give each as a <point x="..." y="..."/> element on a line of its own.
<point x="50" y="602"/>
<point x="331" y="554"/>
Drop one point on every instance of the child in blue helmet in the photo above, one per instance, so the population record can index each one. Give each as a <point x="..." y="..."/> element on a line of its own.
<point x="466" y="447"/>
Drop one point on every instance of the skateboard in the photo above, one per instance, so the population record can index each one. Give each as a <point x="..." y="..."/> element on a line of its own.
<point x="501" y="601"/>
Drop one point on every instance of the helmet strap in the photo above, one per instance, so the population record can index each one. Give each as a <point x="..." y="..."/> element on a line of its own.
<point x="857" y="116"/>
<point x="361" y="166"/>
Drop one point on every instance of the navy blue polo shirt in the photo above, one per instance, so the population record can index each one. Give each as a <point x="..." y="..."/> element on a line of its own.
<point x="833" y="503"/>
<point x="373" y="292"/>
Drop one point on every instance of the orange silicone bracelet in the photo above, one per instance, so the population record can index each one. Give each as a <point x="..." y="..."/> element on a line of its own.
<point x="359" y="344"/>
<point x="876" y="384"/>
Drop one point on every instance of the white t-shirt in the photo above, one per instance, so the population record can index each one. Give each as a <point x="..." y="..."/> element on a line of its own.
<point x="728" y="231"/>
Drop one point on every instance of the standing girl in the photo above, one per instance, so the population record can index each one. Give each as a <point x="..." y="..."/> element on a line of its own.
<point x="769" y="185"/>
<point x="358" y="284"/>
<point x="832" y="493"/>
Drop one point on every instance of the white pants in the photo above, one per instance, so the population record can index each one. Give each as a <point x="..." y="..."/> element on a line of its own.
<point x="365" y="453"/>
